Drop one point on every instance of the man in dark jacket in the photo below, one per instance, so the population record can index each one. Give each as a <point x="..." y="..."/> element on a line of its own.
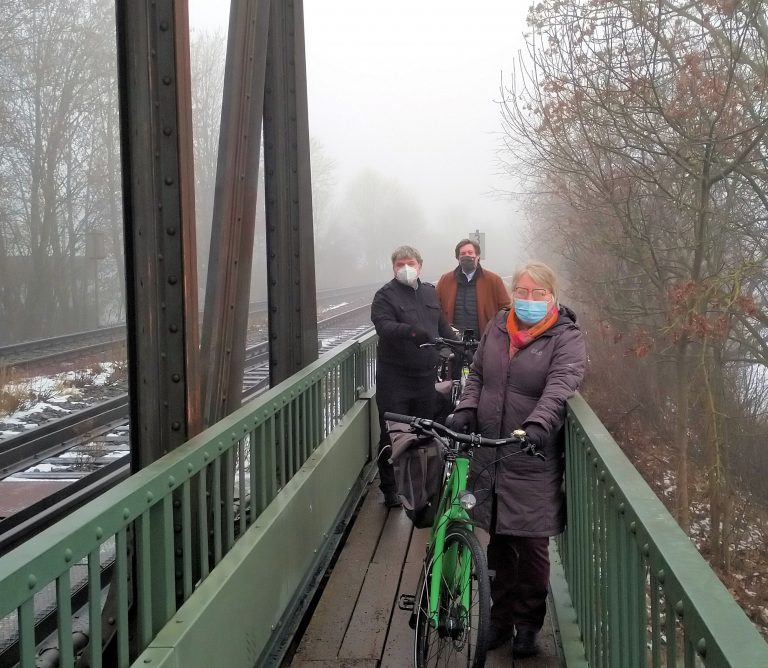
<point x="470" y="296"/>
<point x="406" y="314"/>
<point x="530" y="360"/>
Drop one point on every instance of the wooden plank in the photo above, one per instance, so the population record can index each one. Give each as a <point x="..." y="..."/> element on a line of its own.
<point x="398" y="648"/>
<point x="368" y="627"/>
<point x="325" y="633"/>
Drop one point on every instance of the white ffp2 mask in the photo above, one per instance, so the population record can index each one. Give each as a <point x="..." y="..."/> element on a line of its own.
<point x="407" y="275"/>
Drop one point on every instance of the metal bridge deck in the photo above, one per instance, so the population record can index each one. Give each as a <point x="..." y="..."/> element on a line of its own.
<point x="357" y="623"/>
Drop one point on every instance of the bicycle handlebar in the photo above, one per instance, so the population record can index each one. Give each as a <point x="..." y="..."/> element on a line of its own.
<point x="456" y="344"/>
<point x="427" y="426"/>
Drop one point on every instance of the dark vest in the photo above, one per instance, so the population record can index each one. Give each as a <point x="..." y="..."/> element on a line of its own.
<point x="465" y="308"/>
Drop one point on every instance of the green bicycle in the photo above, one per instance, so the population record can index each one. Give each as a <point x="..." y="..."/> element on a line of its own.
<point x="451" y="610"/>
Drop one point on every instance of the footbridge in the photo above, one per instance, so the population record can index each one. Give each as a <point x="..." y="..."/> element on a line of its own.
<point x="268" y="499"/>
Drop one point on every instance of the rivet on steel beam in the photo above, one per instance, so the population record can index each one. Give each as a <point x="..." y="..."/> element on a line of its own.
<point x="169" y="180"/>
<point x="31" y="581"/>
<point x="163" y="25"/>
<point x="622" y="508"/>
<point x="176" y="377"/>
<point x="167" y="80"/>
<point x="611" y="489"/>
<point x="150" y="496"/>
<point x="646" y="550"/>
<point x="173" y="327"/>
<point x="701" y="647"/>
<point x="171" y="231"/>
<point x="167" y="130"/>
<point x="176" y="503"/>
<point x="175" y="425"/>
<point x="177" y="528"/>
<point x="679" y="608"/>
<point x="67" y="555"/>
<point x="126" y="513"/>
<point x="661" y="575"/>
<point x="172" y="280"/>
<point x="190" y="467"/>
<point x="99" y="532"/>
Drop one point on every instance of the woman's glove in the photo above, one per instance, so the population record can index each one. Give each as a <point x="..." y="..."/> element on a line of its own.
<point x="463" y="420"/>
<point x="535" y="433"/>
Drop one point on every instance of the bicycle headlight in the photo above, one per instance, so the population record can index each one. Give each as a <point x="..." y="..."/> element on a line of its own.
<point x="467" y="500"/>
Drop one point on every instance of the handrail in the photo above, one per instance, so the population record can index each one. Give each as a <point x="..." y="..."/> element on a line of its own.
<point x="643" y="594"/>
<point x="224" y="478"/>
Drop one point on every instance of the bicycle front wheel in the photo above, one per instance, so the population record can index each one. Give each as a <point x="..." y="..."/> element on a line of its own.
<point x="460" y="636"/>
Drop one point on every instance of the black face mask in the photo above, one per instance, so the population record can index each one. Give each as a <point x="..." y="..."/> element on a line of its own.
<point x="467" y="264"/>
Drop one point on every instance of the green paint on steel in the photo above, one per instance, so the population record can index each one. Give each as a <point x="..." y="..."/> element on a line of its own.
<point x="710" y="613"/>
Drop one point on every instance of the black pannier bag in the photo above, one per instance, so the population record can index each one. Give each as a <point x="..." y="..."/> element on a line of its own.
<point x="418" y="465"/>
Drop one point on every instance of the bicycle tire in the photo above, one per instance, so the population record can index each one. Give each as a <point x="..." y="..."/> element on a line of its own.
<point x="461" y="638"/>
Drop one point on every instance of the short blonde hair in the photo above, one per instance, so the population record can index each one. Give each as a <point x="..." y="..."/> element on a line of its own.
<point x="539" y="272"/>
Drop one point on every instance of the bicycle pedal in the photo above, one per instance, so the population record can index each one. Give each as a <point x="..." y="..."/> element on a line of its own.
<point x="406" y="602"/>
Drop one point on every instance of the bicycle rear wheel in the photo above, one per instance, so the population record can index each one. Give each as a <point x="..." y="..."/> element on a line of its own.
<point x="461" y="635"/>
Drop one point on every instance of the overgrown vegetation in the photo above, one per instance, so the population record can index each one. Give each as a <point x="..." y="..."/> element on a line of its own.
<point x="639" y="130"/>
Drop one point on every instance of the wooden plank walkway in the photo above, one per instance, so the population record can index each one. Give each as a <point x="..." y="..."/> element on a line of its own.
<point x="357" y="623"/>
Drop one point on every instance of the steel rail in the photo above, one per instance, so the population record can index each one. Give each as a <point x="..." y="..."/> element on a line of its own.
<point x="21" y="452"/>
<point x="33" y="353"/>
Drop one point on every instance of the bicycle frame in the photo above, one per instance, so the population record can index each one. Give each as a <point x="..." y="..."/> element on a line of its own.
<point x="449" y="510"/>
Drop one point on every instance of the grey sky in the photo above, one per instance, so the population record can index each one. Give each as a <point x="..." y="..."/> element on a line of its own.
<point x="409" y="89"/>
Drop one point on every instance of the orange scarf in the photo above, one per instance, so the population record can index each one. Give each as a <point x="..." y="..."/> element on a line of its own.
<point x="520" y="338"/>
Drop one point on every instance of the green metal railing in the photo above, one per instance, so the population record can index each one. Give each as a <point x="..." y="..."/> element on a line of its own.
<point x="643" y="594"/>
<point x="222" y="479"/>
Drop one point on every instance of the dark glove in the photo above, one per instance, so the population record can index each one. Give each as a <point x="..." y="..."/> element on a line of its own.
<point x="463" y="420"/>
<point x="419" y="336"/>
<point x="535" y="433"/>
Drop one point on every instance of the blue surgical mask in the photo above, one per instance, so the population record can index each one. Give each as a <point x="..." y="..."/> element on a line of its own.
<point x="530" y="312"/>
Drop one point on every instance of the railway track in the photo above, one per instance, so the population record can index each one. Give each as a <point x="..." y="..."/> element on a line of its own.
<point x="77" y="456"/>
<point x="40" y="356"/>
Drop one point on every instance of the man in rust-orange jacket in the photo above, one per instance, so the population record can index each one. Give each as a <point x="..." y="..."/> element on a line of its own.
<point x="470" y="296"/>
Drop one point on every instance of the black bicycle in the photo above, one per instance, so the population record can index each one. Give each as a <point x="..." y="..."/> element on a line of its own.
<point x="462" y="352"/>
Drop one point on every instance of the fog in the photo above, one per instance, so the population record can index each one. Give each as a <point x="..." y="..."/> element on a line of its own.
<point x="405" y="129"/>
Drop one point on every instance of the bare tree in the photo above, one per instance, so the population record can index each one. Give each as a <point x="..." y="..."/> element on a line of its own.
<point x="644" y="120"/>
<point x="56" y="74"/>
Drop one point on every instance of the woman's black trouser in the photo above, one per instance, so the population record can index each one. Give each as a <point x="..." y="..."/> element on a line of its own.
<point x="519" y="589"/>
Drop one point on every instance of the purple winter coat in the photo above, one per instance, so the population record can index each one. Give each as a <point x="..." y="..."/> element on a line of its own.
<point x="533" y="386"/>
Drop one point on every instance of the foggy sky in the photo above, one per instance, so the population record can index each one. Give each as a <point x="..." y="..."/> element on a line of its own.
<point x="409" y="89"/>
